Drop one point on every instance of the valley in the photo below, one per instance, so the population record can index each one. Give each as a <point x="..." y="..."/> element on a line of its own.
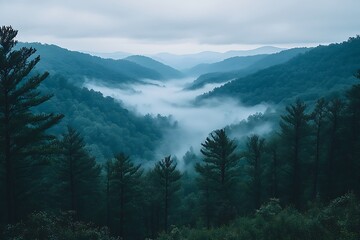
<point x="193" y="121"/>
<point x="242" y="144"/>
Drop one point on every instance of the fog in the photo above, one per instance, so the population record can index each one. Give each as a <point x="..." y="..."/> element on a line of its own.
<point x="169" y="99"/>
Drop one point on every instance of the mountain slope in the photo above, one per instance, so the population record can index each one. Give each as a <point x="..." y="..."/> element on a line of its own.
<point x="227" y="65"/>
<point x="320" y="71"/>
<point x="78" y="66"/>
<point x="166" y="71"/>
<point x="265" y="62"/>
<point x="107" y="127"/>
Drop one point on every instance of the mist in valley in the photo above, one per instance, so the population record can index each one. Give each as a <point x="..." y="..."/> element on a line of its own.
<point x="194" y="121"/>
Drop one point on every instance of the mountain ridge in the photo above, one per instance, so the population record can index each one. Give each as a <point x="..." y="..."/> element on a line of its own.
<point x="77" y="65"/>
<point x="186" y="61"/>
<point x="251" y="67"/>
<point x="326" y="69"/>
<point x="166" y="71"/>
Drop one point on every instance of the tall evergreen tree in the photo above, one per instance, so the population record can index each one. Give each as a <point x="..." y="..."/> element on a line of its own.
<point x="255" y="150"/>
<point x="153" y="204"/>
<point x="168" y="179"/>
<point x="78" y="175"/>
<point x="124" y="183"/>
<point x="294" y="130"/>
<point x="274" y="168"/>
<point x="318" y="117"/>
<point x="334" y="120"/>
<point x="108" y="167"/>
<point x="206" y="185"/>
<point x="220" y="167"/>
<point x="23" y="138"/>
<point x="352" y="115"/>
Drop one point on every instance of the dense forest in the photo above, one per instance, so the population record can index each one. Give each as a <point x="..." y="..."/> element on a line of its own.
<point x="301" y="181"/>
<point x="237" y="67"/>
<point x="317" y="73"/>
<point x="104" y="123"/>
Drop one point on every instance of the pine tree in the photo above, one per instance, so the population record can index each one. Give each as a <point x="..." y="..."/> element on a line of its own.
<point x="318" y="117"/>
<point x="352" y="118"/>
<point x="78" y="175"/>
<point x="124" y="183"/>
<point x="23" y="138"/>
<point x="274" y="168"/>
<point x="255" y="150"/>
<point x="168" y="179"/>
<point x="334" y="120"/>
<point x="220" y="167"/>
<point x="108" y="167"/>
<point x="206" y="184"/>
<point x="294" y="129"/>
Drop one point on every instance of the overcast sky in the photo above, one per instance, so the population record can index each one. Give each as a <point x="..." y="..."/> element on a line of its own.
<point x="181" y="26"/>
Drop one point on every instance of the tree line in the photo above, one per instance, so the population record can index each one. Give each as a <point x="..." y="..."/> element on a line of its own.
<point x="314" y="156"/>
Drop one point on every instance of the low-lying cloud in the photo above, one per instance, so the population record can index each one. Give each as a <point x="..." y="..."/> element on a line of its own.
<point x="168" y="99"/>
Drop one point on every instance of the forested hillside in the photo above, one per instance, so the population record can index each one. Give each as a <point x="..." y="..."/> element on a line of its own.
<point x="227" y="65"/>
<point x="321" y="71"/>
<point x="166" y="71"/>
<point x="219" y="74"/>
<point x="105" y="124"/>
<point x="78" y="67"/>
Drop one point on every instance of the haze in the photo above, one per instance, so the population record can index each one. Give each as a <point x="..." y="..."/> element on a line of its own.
<point x="169" y="99"/>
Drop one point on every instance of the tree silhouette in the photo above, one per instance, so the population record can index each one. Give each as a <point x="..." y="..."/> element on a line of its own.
<point x="124" y="183"/>
<point x="23" y="138"/>
<point x="255" y="149"/>
<point x="78" y="175"/>
<point x="294" y="128"/>
<point x="318" y="116"/>
<point x="220" y="167"/>
<point x="168" y="179"/>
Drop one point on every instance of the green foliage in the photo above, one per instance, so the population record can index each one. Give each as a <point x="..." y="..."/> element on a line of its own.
<point x="41" y="225"/>
<point x="338" y="220"/>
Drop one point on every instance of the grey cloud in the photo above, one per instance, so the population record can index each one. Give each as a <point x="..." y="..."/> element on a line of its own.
<point x="202" y="21"/>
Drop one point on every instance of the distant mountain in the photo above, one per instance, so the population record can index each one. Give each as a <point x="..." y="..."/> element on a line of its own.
<point x="166" y="71"/>
<point x="78" y="66"/>
<point x="318" y="72"/>
<point x="246" y="66"/>
<point x="112" y="55"/>
<point x="187" y="61"/>
<point x="227" y="65"/>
